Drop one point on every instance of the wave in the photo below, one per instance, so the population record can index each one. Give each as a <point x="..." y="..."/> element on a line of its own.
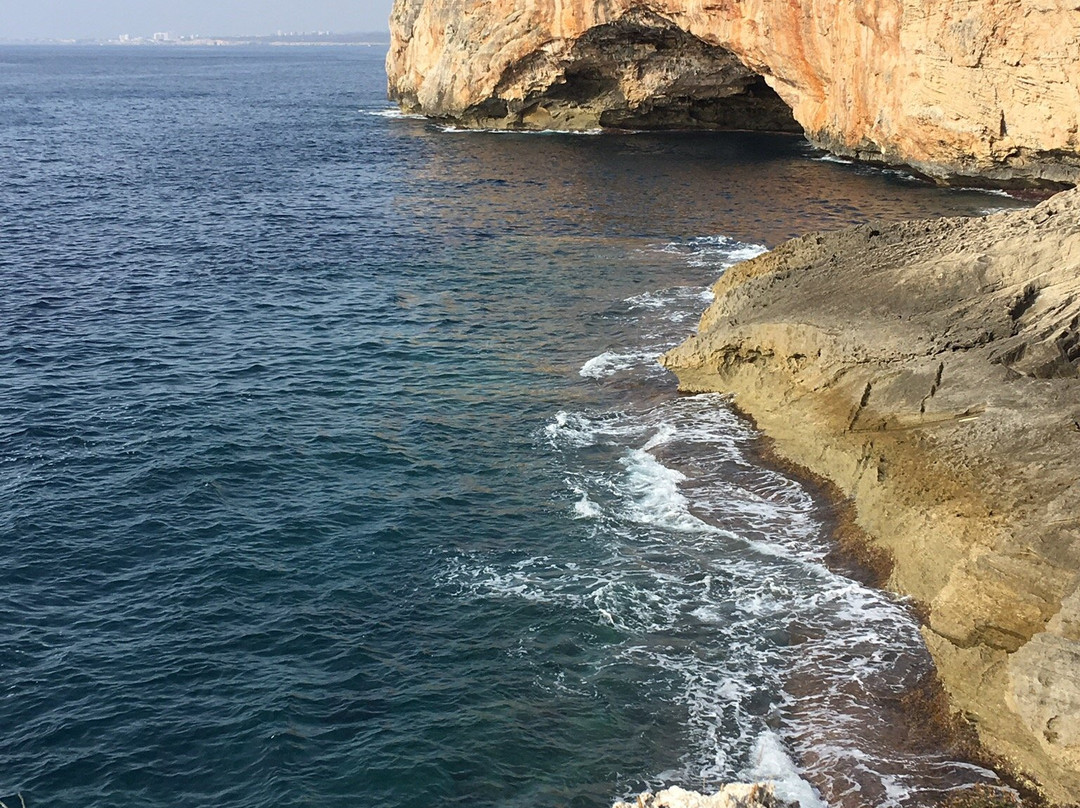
<point x="578" y="429"/>
<point x="611" y="362"/>
<point x="653" y="496"/>
<point x="673" y="305"/>
<point x="833" y="158"/>
<point x="990" y="191"/>
<point x="394" y="113"/>
<point x="585" y="508"/>
<point x="464" y="130"/>
<point x="660" y="315"/>
<point x="774" y="764"/>
<point x="720" y="252"/>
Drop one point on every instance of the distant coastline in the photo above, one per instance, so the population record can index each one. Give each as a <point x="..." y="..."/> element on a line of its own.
<point x="365" y="38"/>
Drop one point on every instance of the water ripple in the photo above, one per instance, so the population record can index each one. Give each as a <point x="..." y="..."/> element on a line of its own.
<point x="282" y="518"/>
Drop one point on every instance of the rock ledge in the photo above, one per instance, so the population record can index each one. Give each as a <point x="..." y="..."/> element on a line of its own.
<point x="931" y="370"/>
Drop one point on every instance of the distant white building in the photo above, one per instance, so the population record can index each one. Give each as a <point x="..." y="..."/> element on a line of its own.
<point x="163" y="37"/>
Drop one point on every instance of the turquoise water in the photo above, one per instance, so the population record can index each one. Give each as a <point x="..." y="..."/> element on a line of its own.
<point x="337" y="468"/>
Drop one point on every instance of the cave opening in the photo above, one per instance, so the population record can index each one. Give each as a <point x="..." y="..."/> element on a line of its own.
<point x="640" y="72"/>
<point x="757" y="107"/>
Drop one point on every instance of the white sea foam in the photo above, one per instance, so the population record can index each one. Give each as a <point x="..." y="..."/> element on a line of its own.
<point x="585" y="508"/>
<point x="462" y="130"/>
<point x="394" y="113"/>
<point x="649" y="300"/>
<point x="572" y="429"/>
<point x="577" y="429"/>
<point x="669" y="575"/>
<point x="906" y="176"/>
<point x="611" y="362"/>
<point x="654" y="496"/>
<point x="745" y="252"/>
<point x="710" y="614"/>
<point x="866" y="167"/>
<point x="834" y="158"/>
<point x="665" y="433"/>
<point x="718" y="252"/>
<point x="991" y="192"/>
<point x="772" y="763"/>
<point x="673" y="305"/>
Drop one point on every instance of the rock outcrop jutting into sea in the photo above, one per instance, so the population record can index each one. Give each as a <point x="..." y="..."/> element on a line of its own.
<point x="931" y="369"/>
<point x="986" y="91"/>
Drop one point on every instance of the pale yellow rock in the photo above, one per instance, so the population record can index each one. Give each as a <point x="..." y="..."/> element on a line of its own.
<point x="954" y="88"/>
<point x="932" y="371"/>
<point x="1045" y="690"/>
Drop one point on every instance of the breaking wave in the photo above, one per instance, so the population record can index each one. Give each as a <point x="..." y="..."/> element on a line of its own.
<point x="713" y="251"/>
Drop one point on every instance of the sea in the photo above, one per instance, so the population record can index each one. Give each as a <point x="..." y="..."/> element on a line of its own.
<point x="337" y="468"/>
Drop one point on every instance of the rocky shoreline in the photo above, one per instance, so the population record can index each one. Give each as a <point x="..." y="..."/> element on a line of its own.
<point x="930" y="371"/>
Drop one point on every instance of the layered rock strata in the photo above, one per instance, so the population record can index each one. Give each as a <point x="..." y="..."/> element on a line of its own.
<point x="962" y="91"/>
<point x="932" y="371"/>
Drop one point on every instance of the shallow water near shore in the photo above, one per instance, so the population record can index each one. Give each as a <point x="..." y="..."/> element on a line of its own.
<point x="338" y="468"/>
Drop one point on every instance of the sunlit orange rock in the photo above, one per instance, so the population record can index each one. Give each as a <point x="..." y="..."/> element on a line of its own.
<point x="956" y="89"/>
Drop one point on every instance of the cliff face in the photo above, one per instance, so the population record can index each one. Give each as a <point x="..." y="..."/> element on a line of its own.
<point x="932" y="371"/>
<point x="955" y="89"/>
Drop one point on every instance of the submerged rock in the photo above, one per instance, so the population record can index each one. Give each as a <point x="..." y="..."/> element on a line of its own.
<point x="957" y="90"/>
<point x="735" y="795"/>
<point x="931" y="370"/>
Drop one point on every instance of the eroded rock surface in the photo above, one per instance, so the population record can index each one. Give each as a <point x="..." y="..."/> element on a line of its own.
<point x="932" y="371"/>
<point x="638" y="71"/>
<point x="986" y="91"/>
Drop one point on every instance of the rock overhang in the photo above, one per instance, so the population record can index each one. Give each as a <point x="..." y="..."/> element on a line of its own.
<point x="885" y="81"/>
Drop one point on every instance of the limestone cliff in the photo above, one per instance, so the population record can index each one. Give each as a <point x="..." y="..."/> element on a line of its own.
<point x="956" y="89"/>
<point x="932" y="371"/>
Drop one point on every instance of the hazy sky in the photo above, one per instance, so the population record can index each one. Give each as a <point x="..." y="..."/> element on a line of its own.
<point x="58" y="19"/>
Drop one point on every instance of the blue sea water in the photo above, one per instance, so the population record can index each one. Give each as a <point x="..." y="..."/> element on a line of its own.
<point x="336" y="468"/>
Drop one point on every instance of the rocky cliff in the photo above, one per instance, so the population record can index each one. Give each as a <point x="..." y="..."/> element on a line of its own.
<point x="984" y="91"/>
<point x="932" y="371"/>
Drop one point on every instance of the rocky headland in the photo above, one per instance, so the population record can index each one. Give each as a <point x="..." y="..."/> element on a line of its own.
<point x="974" y="92"/>
<point x="931" y="370"/>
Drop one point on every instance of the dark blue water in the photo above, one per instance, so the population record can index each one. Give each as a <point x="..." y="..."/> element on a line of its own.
<point x="335" y="468"/>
